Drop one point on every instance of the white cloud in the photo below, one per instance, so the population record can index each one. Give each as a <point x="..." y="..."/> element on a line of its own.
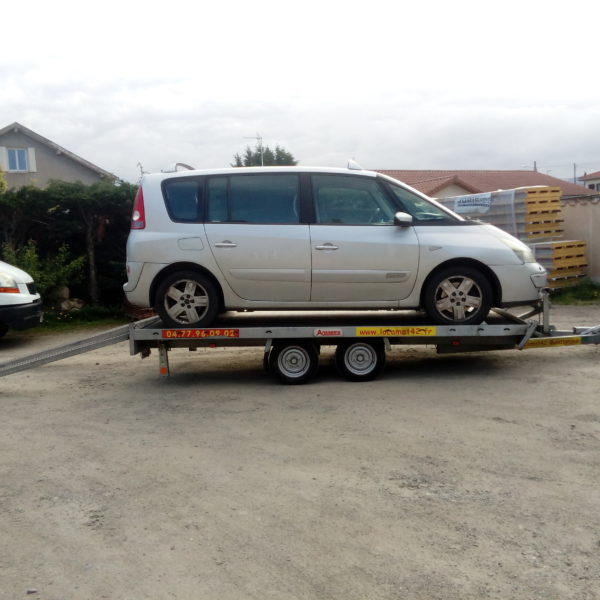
<point x="396" y="85"/>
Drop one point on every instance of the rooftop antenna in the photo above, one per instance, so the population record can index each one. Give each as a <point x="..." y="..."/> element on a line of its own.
<point x="258" y="139"/>
<point x="353" y="165"/>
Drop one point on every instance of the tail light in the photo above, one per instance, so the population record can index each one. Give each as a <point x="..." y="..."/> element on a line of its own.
<point x="138" y="216"/>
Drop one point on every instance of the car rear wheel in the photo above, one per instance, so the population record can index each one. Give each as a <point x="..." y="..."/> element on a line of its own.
<point x="187" y="299"/>
<point x="458" y="295"/>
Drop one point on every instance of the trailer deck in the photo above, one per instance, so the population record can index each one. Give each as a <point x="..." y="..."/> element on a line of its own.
<point x="292" y="341"/>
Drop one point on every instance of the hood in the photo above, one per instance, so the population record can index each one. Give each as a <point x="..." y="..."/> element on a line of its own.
<point x="17" y="274"/>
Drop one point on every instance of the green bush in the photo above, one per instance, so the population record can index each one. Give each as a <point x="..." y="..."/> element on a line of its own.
<point x="50" y="272"/>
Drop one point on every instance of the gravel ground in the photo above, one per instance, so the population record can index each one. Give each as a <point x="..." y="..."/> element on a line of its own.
<point x="450" y="477"/>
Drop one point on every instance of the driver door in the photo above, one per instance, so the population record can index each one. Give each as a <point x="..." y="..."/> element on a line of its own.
<point x="358" y="254"/>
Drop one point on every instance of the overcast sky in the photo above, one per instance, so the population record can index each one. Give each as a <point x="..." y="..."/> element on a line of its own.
<point x="396" y="85"/>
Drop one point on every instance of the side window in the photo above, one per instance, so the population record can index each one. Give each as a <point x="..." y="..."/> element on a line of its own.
<point x="347" y="200"/>
<point x="254" y="199"/>
<point x="183" y="198"/>
<point x="419" y="208"/>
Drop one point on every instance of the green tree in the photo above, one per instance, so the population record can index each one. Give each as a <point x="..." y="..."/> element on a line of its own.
<point x="263" y="155"/>
<point x="71" y="222"/>
<point x="98" y="215"/>
<point x="24" y="215"/>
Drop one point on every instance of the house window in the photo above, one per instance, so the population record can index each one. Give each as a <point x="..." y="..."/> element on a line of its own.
<point x="17" y="159"/>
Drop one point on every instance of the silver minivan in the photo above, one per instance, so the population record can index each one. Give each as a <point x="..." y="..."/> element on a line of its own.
<point x="298" y="238"/>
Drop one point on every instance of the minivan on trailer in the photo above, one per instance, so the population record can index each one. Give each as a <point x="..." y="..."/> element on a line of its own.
<point x="297" y="238"/>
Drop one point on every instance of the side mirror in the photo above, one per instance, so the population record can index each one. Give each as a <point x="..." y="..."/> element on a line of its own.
<point x="403" y="219"/>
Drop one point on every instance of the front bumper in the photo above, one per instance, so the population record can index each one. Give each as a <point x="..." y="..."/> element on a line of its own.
<point x="22" y="316"/>
<point x="521" y="283"/>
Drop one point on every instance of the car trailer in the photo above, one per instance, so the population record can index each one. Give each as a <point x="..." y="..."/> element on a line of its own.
<point x="292" y="342"/>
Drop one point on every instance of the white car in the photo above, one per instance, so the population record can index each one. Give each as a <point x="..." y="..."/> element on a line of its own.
<point x="298" y="238"/>
<point x="20" y="303"/>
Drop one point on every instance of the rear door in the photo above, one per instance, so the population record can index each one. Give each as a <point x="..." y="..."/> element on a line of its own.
<point x="254" y="232"/>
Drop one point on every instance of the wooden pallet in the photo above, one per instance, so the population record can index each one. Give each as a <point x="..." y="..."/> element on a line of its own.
<point x="565" y="261"/>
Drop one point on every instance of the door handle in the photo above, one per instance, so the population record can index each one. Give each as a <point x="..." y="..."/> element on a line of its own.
<point x="327" y="246"/>
<point x="225" y="244"/>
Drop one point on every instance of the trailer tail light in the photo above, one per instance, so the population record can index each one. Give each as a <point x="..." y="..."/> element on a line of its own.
<point x="138" y="216"/>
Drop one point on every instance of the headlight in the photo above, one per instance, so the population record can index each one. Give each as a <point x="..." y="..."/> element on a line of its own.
<point x="7" y="284"/>
<point x="523" y="252"/>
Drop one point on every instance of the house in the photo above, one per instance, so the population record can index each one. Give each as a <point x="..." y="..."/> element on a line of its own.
<point x="592" y="181"/>
<point x="443" y="184"/>
<point x="27" y="158"/>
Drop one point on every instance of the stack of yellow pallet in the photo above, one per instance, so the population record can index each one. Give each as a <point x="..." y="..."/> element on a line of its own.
<point x="534" y="215"/>
<point x="543" y="215"/>
<point x="564" y="260"/>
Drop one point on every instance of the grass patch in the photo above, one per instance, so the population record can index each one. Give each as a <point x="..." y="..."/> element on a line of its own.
<point x="586" y="292"/>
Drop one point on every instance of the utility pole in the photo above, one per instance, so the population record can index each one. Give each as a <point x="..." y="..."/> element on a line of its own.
<point x="574" y="173"/>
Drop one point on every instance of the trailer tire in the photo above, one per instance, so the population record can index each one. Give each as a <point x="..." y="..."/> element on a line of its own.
<point x="295" y="362"/>
<point x="360" y="360"/>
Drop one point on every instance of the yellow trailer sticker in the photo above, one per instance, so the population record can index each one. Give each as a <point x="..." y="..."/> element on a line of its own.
<point x="572" y="340"/>
<point x="395" y="331"/>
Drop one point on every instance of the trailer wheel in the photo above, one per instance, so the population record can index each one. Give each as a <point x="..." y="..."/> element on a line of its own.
<point x="359" y="360"/>
<point x="294" y="362"/>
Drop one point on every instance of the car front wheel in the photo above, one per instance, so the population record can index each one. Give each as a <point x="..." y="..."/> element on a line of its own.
<point x="458" y="296"/>
<point x="187" y="299"/>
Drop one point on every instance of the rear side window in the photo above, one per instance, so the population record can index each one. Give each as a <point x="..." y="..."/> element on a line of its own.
<point x="254" y="199"/>
<point x="184" y="200"/>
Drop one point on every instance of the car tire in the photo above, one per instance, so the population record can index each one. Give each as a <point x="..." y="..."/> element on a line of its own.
<point x="187" y="299"/>
<point x="360" y="360"/>
<point x="458" y="295"/>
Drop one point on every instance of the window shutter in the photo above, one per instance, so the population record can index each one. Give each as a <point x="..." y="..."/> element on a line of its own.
<point x="31" y="160"/>
<point x="3" y="158"/>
